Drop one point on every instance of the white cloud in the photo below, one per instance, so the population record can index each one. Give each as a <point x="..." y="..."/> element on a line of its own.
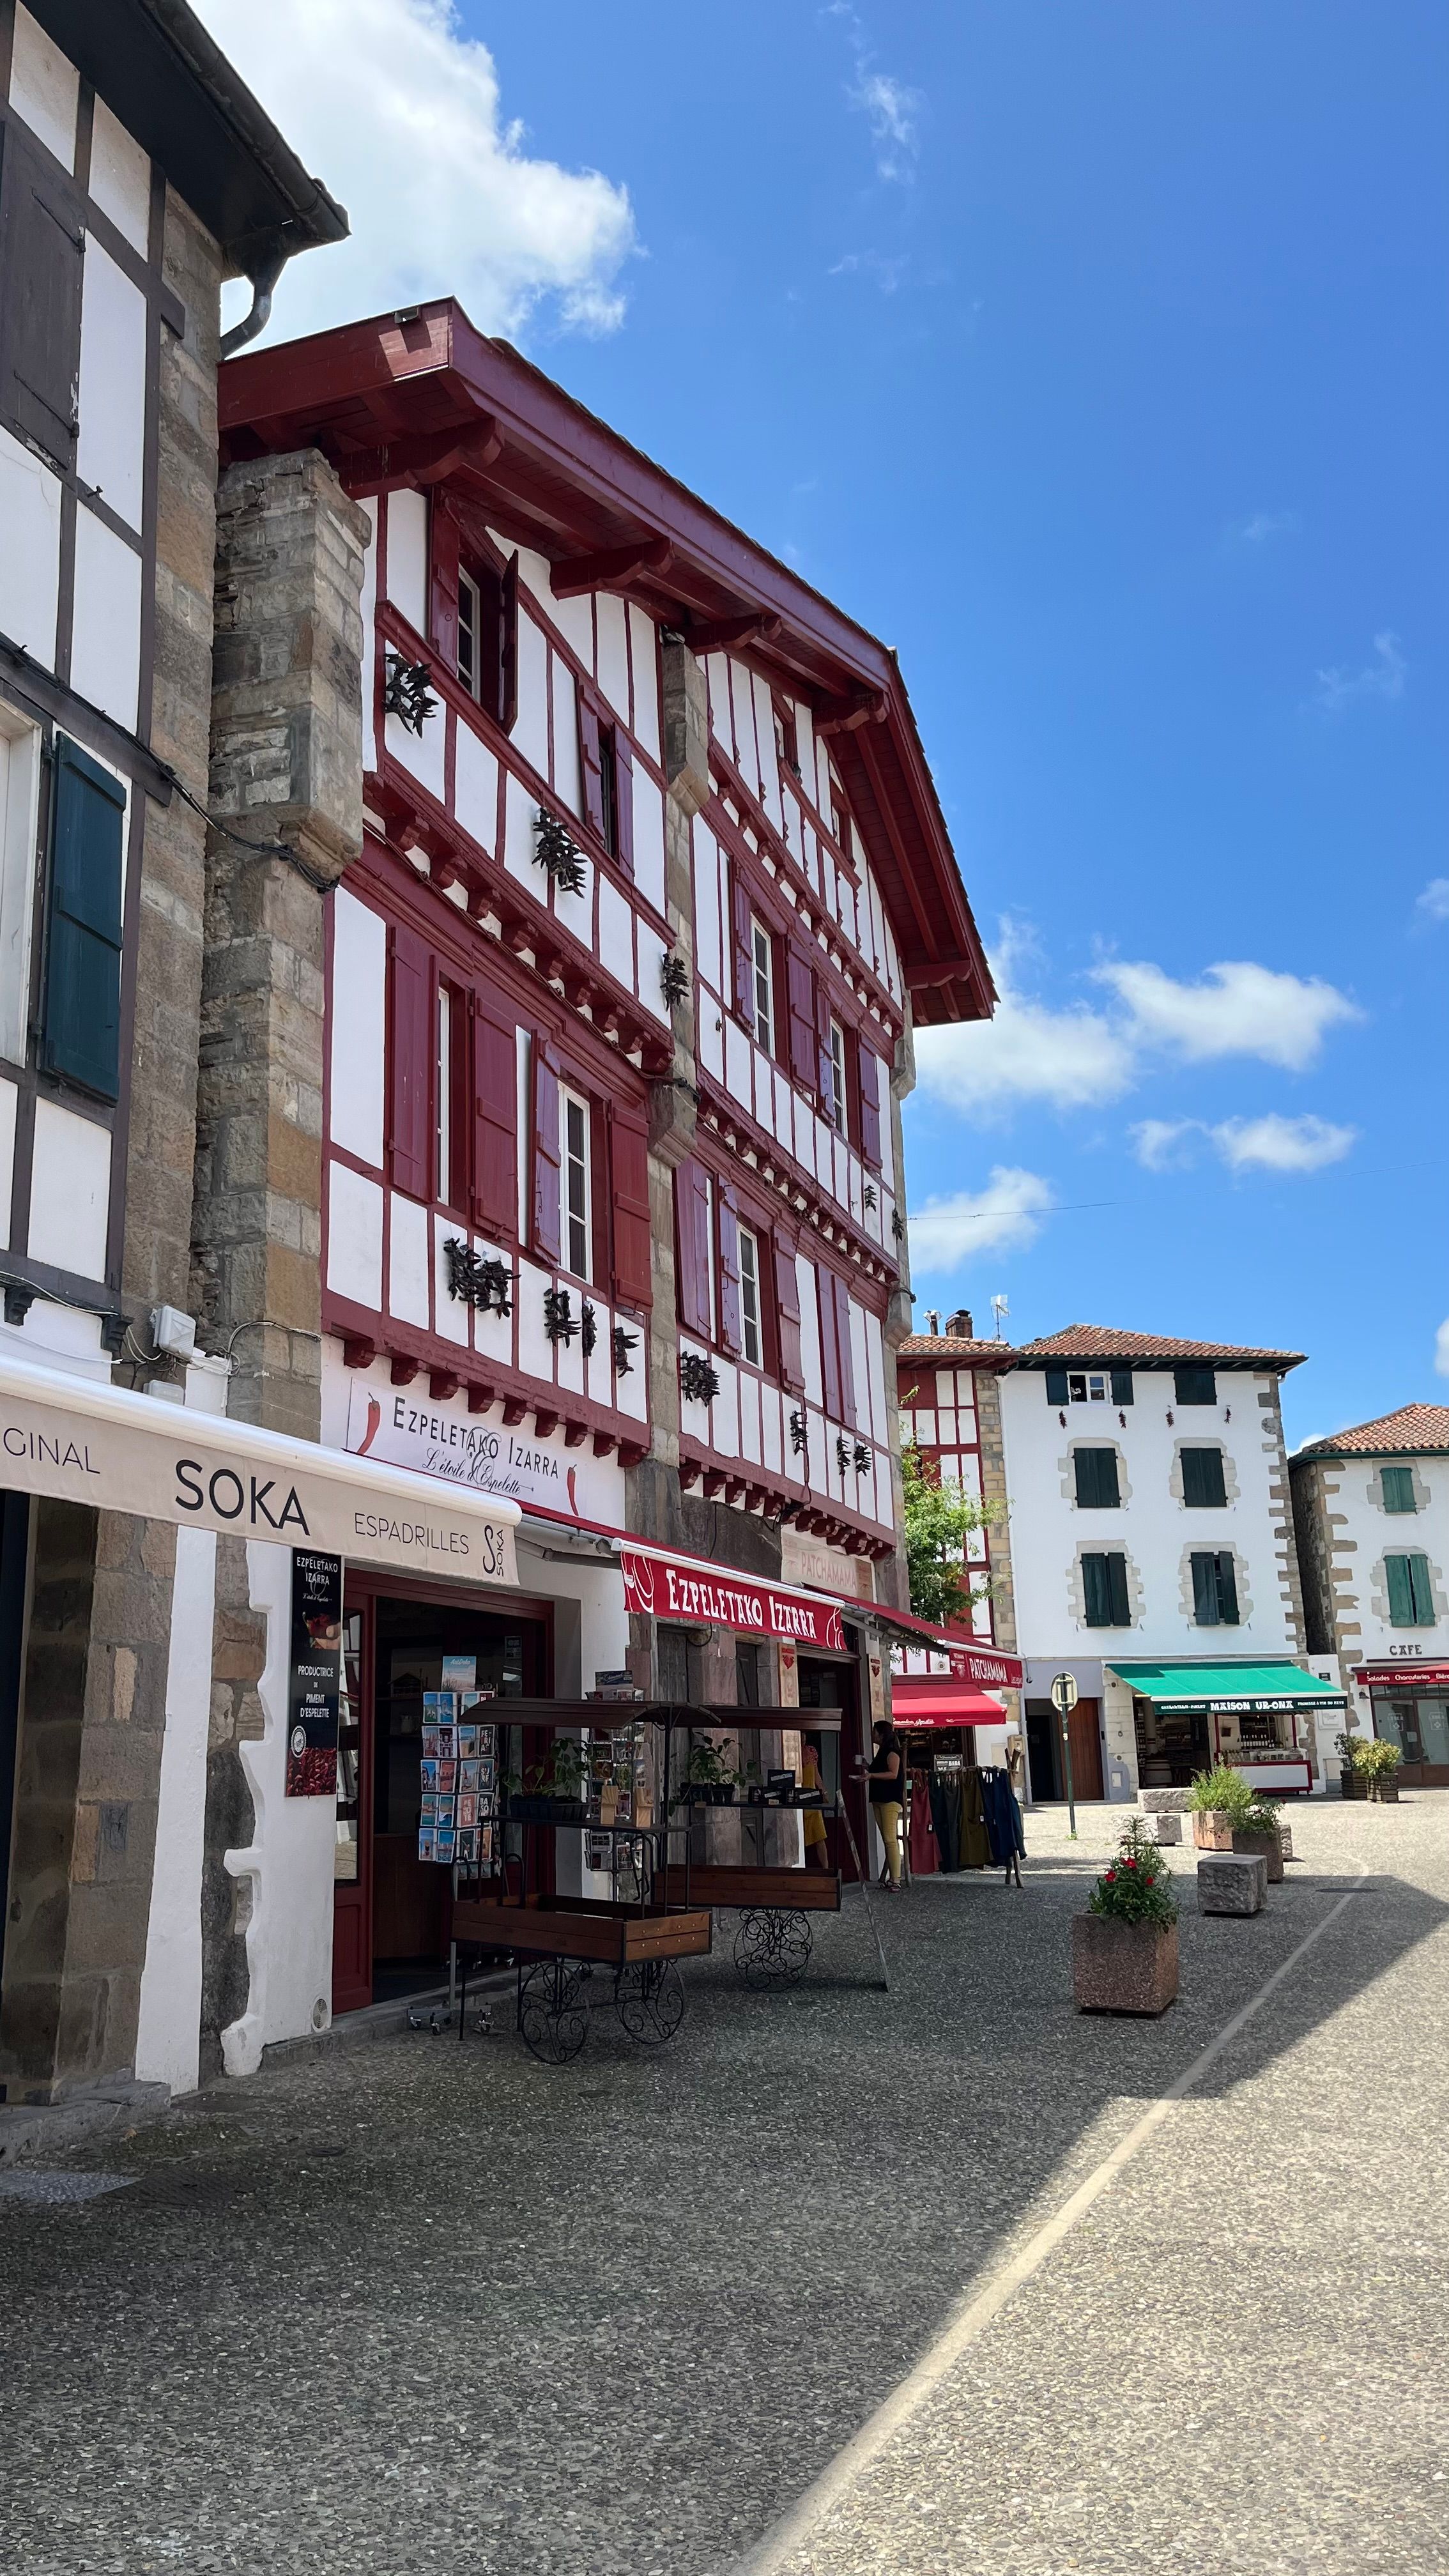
<point x="398" y="113"/>
<point x="1236" y="1009"/>
<point x="1276" y="1144"/>
<point x="1382" y="678"/>
<point x="1265" y="524"/>
<point x="1159" y="1142"/>
<point x="892" y="110"/>
<point x="1441" y="1349"/>
<point x="885" y="273"/>
<point x="1433" y="903"/>
<point x="1073" y="1059"/>
<point x="1004" y="1217"/>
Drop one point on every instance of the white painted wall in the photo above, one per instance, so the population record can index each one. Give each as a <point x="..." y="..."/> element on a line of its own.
<point x="105" y="653"/>
<point x="30" y="552"/>
<point x="358" y="1026"/>
<point x="120" y="177"/>
<point x="44" y="86"/>
<point x="111" y="451"/>
<point x="70" y="1186"/>
<point x="19" y="818"/>
<point x="1365" y="1533"/>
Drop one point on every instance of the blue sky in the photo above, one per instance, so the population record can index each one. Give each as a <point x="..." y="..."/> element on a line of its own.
<point x="1094" y="356"/>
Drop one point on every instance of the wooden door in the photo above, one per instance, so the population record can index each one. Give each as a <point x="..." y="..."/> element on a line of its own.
<point x="1086" y="1743"/>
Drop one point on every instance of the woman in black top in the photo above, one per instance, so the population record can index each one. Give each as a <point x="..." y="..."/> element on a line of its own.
<point x="887" y="1777"/>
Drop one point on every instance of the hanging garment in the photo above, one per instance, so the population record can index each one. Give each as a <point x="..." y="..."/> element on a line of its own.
<point x="946" y="1818"/>
<point x="921" y="1839"/>
<point x="1002" y="1816"/>
<point x="975" y="1847"/>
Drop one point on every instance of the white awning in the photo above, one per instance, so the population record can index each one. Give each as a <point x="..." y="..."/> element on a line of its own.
<point x="122" y="1452"/>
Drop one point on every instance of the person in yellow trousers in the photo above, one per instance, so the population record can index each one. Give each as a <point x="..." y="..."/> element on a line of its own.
<point x="887" y="1777"/>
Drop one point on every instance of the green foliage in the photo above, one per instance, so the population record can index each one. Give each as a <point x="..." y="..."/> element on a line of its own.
<point x="1137" y="1888"/>
<point x="1372" y="1756"/>
<point x="708" y="1766"/>
<point x="1261" y="1818"/>
<point x="562" y="1773"/>
<point x="939" y="1520"/>
<point x="1223" y="1792"/>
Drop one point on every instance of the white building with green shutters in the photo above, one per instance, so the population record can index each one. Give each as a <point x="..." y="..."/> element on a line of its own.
<point x="1371" y="1509"/>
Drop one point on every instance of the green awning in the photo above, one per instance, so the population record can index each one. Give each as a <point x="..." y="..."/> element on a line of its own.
<point x="1225" y="1689"/>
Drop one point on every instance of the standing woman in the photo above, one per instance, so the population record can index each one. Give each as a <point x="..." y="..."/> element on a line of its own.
<point x="887" y="1776"/>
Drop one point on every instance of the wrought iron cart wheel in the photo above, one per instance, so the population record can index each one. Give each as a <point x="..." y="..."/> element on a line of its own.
<point x="649" y="1998"/>
<point x="773" y="1945"/>
<point x="554" y="2010"/>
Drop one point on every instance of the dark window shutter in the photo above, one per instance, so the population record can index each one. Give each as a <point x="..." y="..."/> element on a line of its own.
<point x="42" y="251"/>
<point x="1205" y="1591"/>
<point x="1096" y="1473"/>
<point x="829" y="1346"/>
<point x="623" y="801"/>
<point x="848" y="1411"/>
<point x="1421" y="1591"/>
<point x="1056" y="1386"/>
<point x="1119" y="1612"/>
<point x="787" y="1310"/>
<point x="1121" y="1386"/>
<point x="508" y="645"/>
<point x="1195" y="1385"/>
<point x="744" y="962"/>
<point x="869" y="1080"/>
<point x="1204" y="1487"/>
<point x="800" y="983"/>
<point x="1401" y="1592"/>
<point x="83" y="928"/>
<point x="443" y="601"/>
<point x="592" y="766"/>
<point x="629" y="1180"/>
<point x="546" y="1152"/>
<point x="824" y="1072"/>
<point x="692" y="1254"/>
<point x="1095" y="1594"/>
<point x="1227" y="1589"/>
<point x="411" y="1051"/>
<point x="495" y="1125"/>
<point x="730" y="1334"/>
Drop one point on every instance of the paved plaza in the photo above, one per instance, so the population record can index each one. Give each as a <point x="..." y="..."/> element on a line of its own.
<point x="420" y="2305"/>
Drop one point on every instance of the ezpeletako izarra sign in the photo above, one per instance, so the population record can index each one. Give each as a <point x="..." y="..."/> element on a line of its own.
<point x="670" y="1587"/>
<point x="88" y="1443"/>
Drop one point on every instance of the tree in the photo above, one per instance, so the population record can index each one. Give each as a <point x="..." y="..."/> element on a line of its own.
<point x="939" y="1520"/>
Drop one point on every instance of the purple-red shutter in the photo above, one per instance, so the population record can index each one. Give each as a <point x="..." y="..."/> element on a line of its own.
<point x="624" y="801"/>
<point x="495" y="1125"/>
<point x="846" y="1351"/>
<point x="508" y="645"/>
<point x="829" y="1350"/>
<point x="870" y="1091"/>
<point x="546" y="1191"/>
<point x="592" y="766"/>
<point x="744" y="975"/>
<point x="443" y="602"/>
<point x="691" y="1214"/>
<point x="412" y="1053"/>
<point x="801" y="984"/>
<point x="824" y="1073"/>
<point x="787" y="1316"/>
<point x="629" y="1180"/>
<point x="730" y="1332"/>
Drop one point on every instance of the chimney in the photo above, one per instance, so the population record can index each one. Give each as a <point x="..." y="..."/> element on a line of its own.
<point x="961" y="1325"/>
<point x="934" y="1320"/>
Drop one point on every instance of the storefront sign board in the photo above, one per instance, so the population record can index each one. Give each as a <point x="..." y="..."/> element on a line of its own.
<point x="315" y="1677"/>
<point x="667" y="1587"/>
<point x="806" y="1560"/>
<point x="1406" y="1679"/>
<point x="461" y="1448"/>
<point x="986" y="1668"/>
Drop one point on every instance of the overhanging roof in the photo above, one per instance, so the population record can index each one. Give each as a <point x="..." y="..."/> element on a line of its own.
<point x="553" y="477"/>
<point x="1415" y="1431"/>
<point x="1107" y="1343"/>
<point x="173" y="88"/>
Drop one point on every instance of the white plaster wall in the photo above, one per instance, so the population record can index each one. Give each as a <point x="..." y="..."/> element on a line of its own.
<point x="105" y="652"/>
<point x="120" y="179"/>
<point x="70" y="1191"/>
<point x="407" y="557"/>
<point x="111" y="451"/>
<point x="1363" y="1533"/>
<point x="30" y="551"/>
<point x="358" y="1011"/>
<point x="168" y="2034"/>
<point x="44" y="86"/>
<point x="369" y="638"/>
<point x="354" y="1235"/>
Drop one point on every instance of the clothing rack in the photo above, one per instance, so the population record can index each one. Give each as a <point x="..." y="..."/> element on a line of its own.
<point x="997" y="1818"/>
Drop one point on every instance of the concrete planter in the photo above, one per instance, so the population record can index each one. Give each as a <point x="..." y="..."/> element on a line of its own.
<point x="1123" y="1967"/>
<point x="1212" y="1830"/>
<point x="1262" y="1847"/>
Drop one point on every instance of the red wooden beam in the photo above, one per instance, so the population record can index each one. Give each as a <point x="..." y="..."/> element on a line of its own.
<point x="756" y="628"/>
<point x="430" y="458"/>
<point x="847" y="715"/>
<point x="612" y="571"/>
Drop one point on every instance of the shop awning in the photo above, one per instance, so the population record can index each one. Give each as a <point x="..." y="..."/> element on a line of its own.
<point x="122" y="1452"/>
<point x="972" y="1663"/>
<point x="1192" y="1690"/>
<point x="1406" y="1679"/>
<point x="943" y="1703"/>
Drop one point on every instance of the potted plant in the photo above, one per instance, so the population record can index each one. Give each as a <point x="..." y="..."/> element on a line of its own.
<point x="709" y="1779"/>
<point x="1370" y="1767"/>
<point x="1260" y="1835"/>
<point x="1124" y="1948"/>
<point x="1219" y="1801"/>
<point x="553" y="1791"/>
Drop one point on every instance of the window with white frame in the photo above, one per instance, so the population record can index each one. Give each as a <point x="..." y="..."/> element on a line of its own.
<point x="837" y="1077"/>
<point x="763" y="954"/>
<point x="750" y="1333"/>
<point x="470" y="632"/>
<point x="575" y="1177"/>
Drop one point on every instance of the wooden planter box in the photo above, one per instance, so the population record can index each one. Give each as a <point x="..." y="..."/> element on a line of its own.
<point x="1123" y="1967"/>
<point x="1357" y="1784"/>
<point x="1262" y="1847"/>
<point x="1212" y="1830"/>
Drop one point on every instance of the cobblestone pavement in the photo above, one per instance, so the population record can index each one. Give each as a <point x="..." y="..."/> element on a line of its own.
<point x="424" y="2305"/>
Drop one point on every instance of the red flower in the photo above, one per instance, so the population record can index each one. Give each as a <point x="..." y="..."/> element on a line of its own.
<point x="1129" y="1862"/>
<point x="1111" y="1874"/>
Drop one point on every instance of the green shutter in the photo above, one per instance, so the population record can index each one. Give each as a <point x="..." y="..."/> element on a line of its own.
<point x="1227" y="1590"/>
<point x="1203" y="1485"/>
<point x="1398" y="1489"/>
<point x="1421" y="1591"/>
<point x="1121" y="1386"/>
<point x="1117" y="1592"/>
<point x="82" y="1031"/>
<point x="1401" y="1591"/>
<point x="1096" y="1591"/>
<point x="1056" y="1386"/>
<point x="1205" y="1590"/>
<point x="1096" y="1474"/>
<point x="1195" y="1385"/>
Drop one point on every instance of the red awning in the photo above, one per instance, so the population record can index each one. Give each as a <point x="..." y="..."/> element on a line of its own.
<point x="943" y="1703"/>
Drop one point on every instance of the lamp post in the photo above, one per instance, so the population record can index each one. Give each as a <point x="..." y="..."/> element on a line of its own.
<point x="1064" y="1700"/>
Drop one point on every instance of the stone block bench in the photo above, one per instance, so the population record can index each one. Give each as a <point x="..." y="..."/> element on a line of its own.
<point x="1232" y="1883"/>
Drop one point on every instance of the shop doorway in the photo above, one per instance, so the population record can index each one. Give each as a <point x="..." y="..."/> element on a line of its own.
<point x="393" y="1912"/>
<point x="1420" y="1728"/>
<point x="1044" y="1752"/>
<point x="825" y="1683"/>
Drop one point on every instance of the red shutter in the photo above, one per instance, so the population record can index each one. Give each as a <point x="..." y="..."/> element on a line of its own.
<point x="730" y="1333"/>
<point x="829" y="1351"/>
<point x="824" y="1075"/>
<point x="743" y="950"/>
<point x="546" y="1190"/>
<point x="443" y="605"/>
<point x="870" y="1091"/>
<point x="846" y="1351"/>
<point x="592" y="766"/>
<point x="624" y="800"/>
<point x="495" y="1125"/>
<point x="691" y="1213"/>
<point x="633" y="1234"/>
<point x="508" y="646"/>
<point x="801" y="984"/>
<point x="412" y="1052"/>
<point x="787" y="1312"/>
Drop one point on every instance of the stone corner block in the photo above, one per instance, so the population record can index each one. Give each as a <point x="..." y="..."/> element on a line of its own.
<point x="1232" y="1883"/>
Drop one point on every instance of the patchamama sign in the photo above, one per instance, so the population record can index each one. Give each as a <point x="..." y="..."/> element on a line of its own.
<point x="120" y="1452"/>
<point x="670" y="1587"/>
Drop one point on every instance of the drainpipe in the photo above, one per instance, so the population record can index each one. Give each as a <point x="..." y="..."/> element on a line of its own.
<point x="262" y="278"/>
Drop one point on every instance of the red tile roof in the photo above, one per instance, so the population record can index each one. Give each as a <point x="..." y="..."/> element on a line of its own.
<point x="1421" y="1427"/>
<point x="1106" y="1342"/>
<point x="947" y="1347"/>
